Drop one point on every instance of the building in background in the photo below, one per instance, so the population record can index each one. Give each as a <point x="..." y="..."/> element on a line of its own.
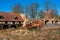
<point x="48" y="19"/>
<point x="10" y="20"/>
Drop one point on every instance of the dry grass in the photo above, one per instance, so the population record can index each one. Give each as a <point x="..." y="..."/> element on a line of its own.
<point x="51" y="34"/>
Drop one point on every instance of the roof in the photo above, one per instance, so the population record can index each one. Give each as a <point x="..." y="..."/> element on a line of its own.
<point x="10" y="17"/>
<point x="23" y="16"/>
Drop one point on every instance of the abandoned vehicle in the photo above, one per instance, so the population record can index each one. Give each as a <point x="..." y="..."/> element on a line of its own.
<point x="34" y="24"/>
<point x="10" y="20"/>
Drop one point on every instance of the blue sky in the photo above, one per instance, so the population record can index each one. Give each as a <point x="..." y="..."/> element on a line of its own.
<point x="6" y="5"/>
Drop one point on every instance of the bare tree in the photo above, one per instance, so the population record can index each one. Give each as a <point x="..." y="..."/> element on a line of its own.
<point x="51" y="6"/>
<point x="27" y="11"/>
<point x="41" y="14"/>
<point x="17" y="8"/>
<point x="32" y="10"/>
<point x="59" y="17"/>
<point x="54" y="12"/>
<point x="47" y="4"/>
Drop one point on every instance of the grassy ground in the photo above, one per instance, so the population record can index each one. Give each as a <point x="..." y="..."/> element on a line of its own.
<point x="46" y="34"/>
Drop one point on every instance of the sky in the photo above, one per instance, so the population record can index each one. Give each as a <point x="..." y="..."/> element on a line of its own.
<point x="6" y="5"/>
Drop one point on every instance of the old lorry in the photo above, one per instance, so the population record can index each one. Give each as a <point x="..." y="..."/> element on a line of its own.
<point x="34" y="24"/>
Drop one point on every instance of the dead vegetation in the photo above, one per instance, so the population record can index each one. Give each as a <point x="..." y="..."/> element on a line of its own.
<point x="46" y="34"/>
